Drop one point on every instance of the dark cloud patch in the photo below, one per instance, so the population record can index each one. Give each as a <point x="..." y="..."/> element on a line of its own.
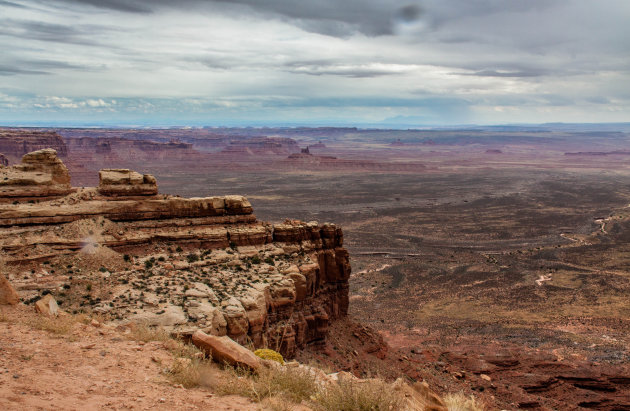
<point x="12" y="70"/>
<point x="409" y="13"/>
<point x="329" y="17"/>
<point x="42" y="31"/>
<point x="12" y="4"/>
<point x="131" y="6"/>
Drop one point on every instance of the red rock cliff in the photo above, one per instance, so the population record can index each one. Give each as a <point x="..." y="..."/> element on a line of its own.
<point x="189" y="263"/>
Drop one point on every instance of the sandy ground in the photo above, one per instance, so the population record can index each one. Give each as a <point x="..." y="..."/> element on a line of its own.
<point x="90" y="368"/>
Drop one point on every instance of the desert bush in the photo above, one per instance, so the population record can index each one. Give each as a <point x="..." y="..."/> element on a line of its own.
<point x="192" y="257"/>
<point x="367" y="395"/>
<point x="293" y="384"/>
<point x="267" y="354"/>
<point x="460" y="402"/>
<point x="189" y="372"/>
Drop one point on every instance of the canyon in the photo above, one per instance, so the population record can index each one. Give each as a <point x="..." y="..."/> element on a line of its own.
<point x="131" y="254"/>
<point x="448" y="231"/>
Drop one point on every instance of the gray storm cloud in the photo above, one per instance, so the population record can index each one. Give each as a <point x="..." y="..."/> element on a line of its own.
<point x="494" y="60"/>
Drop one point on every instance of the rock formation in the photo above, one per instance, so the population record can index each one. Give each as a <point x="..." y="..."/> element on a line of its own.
<point x="123" y="182"/>
<point x="186" y="264"/>
<point x="40" y="175"/>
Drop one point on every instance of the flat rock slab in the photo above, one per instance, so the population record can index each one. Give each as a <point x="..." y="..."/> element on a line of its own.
<point x="226" y="350"/>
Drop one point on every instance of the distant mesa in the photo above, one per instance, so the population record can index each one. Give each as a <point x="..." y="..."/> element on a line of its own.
<point x="262" y="145"/>
<point x="397" y="143"/>
<point x="494" y="151"/>
<point x="14" y="143"/>
<point x="318" y="146"/>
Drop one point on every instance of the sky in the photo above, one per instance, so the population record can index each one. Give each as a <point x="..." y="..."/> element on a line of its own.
<point x="315" y="62"/>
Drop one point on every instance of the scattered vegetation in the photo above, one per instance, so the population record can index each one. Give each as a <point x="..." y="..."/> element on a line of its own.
<point x="59" y="325"/>
<point x="459" y="402"/>
<point x="293" y="384"/>
<point x="348" y="395"/>
<point x="142" y="332"/>
<point x="267" y="354"/>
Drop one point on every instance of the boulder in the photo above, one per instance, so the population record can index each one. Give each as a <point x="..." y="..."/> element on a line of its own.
<point x="225" y="350"/>
<point x="123" y="182"/>
<point x="8" y="295"/>
<point x="47" y="305"/>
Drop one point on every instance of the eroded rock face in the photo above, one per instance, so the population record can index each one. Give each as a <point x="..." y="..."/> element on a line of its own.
<point x="40" y="175"/>
<point x="15" y="143"/>
<point x="185" y="264"/>
<point x="124" y="182"/>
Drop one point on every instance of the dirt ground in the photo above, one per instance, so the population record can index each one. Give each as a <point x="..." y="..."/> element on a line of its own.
<point x="90" y="368"/>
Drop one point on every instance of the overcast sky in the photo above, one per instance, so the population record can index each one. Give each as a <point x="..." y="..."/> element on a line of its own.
<point x="216" y="62"/>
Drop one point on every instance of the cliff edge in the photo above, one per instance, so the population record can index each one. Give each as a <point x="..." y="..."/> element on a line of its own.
<point x="133" y="255"/>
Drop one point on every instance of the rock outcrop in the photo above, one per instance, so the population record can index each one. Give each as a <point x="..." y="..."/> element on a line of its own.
<point x="183" y="263"/>
<point x="40" y="175"/>
<point x="123" y="182"/>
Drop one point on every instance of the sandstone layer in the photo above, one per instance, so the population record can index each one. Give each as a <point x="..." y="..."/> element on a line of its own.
<point x="40" y="175"/>
<point x="186" y="264"/>
<point x="14" y="143"/>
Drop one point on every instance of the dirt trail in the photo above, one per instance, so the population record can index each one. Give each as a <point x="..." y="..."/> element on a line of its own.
<point x="90" y="368"/>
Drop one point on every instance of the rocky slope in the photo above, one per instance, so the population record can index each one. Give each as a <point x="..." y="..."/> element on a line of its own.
<point x="131" y="254"/>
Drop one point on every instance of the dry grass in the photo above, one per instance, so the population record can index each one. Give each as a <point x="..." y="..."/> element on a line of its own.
<point x="190" y="366"/>
<point x="189" y="372"/>
<point x="281" y="388"/>
<point x="349" y="395"/>
<point x="60" y="325"/>
<point x="292" y="384"/>
<point x="459" y="402"/>
<point x="142" y="332"/>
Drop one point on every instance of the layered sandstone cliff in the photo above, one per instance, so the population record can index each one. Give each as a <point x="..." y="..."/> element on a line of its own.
<point x="14" y="143"/>
<point x="132" y="254"/>
<point x="41" y="175"/>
